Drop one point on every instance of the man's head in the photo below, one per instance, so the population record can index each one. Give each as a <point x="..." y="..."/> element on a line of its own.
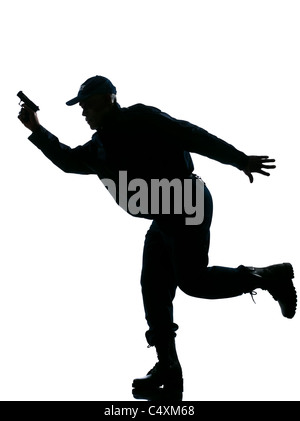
<point x="96" y="96"/>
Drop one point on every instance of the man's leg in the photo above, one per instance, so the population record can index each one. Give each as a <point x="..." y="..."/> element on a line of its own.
<point x="221" y="282"/>
<point x="189" y="252"/>
<point x="187" y="248"/>
<point x="158" y="290"/>
<point x="158" y="287"/>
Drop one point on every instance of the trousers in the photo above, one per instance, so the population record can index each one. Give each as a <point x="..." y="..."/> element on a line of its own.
<point x="176" y="255"/>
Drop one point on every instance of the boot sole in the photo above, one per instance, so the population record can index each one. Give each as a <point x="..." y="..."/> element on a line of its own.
<point x="175" y="385"/>
<point x="158" y="394"/>
<point x="287" y="300"/>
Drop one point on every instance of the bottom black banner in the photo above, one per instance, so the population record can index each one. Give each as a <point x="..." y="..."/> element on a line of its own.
<point x="138" y="410"/>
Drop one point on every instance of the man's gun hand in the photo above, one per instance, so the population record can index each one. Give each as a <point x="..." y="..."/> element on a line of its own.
<point x="28" y="115"/>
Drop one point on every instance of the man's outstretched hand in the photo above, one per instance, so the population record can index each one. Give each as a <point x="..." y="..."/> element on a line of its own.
<point x="258" y="164"/>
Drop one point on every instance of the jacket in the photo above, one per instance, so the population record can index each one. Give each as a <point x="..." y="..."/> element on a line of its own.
<point x="141" y="140"/>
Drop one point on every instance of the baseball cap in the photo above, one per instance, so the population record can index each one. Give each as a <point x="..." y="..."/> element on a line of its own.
<point x="92" y="86"/>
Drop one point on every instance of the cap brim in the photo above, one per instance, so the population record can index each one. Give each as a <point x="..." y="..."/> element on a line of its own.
<point x="100" y="90"/>
<point x="74" y="101"/>
<point x="78" y="99"/>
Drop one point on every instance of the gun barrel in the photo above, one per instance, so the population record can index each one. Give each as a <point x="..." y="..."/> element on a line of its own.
<point x="27" y="101"/>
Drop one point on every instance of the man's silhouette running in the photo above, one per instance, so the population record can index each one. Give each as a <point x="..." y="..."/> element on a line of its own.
<point x="149" y="144"/>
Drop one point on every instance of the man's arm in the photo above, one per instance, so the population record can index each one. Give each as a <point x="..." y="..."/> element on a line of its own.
<point x="203" y="143"/>
<point x="67" y="159"/>
<point x="195" y="139"/>
<point x="206" y="144"/>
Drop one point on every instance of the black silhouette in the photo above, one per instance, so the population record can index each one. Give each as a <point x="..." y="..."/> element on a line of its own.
<point x="148" y="144"/>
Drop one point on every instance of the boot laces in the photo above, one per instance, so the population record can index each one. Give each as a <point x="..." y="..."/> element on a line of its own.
<point x="252" y="293"/>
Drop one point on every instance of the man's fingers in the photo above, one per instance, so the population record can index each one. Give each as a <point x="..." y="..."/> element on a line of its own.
<point x="268" y="166"/>
<point x="263" y="173"/>
<point x="260" y="162"/>
<point x="23" y="115"/>
<point x="265" y="158"/>
<point x="268" y="160"/>
<point x="28" y="118"/>
<point x="249" y="175"/>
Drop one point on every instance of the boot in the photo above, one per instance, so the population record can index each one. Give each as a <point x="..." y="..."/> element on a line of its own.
<point x="277" y="280"/>
<point x="166" y="372"/>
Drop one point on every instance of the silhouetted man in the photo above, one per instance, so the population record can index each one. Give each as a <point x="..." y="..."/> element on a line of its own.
<point x="146" y="144"/>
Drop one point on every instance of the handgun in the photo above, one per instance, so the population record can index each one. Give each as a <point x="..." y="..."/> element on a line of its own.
<point x="25" y="100"/>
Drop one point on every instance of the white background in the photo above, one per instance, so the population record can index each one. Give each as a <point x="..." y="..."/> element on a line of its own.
<point x="71" y="316"/>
